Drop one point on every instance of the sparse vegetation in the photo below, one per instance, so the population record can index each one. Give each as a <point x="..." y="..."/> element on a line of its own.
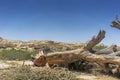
<point x="99" y="47"/>
<point x="27" y="73"/>
<point x="16" y="54"/>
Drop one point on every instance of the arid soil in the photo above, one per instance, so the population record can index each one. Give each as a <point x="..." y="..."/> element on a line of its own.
<point x="85" y="76"/>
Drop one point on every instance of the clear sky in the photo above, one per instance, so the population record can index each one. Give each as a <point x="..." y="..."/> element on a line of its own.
<point x="59" y="20"/>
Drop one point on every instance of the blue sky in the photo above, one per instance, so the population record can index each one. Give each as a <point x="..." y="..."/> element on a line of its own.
<point x="59" y="20"/>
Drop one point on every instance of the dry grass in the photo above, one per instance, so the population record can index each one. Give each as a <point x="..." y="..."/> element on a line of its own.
<point x="89" y="76"/>
<point x="28" y="73"/>
<point x="105" y="77"/>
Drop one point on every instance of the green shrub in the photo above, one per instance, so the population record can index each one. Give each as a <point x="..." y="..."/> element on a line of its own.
<point x="99" y="47"/>
<point x="26" y="73"/>
<point x="15" y="54"/>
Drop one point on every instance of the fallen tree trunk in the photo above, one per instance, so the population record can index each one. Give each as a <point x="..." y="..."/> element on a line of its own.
<point x="108" y="50"/>
<point x="103" y="60"/>
<point x="67" y="57"/>
<point x="115" y="53"/>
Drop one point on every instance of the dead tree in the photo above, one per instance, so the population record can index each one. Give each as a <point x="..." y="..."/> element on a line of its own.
<point x="115" y="53"/>
<point x="85" y="53"/>
<point x="116" y="23"/>
<point x="94" y="41"/>
<point x="109" y="50"/>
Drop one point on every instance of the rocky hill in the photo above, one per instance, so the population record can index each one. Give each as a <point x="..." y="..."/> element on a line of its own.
<point x="46" y="45"/>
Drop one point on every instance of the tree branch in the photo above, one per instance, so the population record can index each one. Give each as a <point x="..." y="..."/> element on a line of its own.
<point x="95" y="40"/>
<point x="116" y="23"/>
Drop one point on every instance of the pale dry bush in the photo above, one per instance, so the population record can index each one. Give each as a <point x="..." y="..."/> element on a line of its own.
<point x="27" y="73"/>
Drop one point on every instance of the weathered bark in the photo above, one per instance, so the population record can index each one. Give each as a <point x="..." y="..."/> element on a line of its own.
<point x="109" y="50"/>
<point x="115" y="53"/>
<point x="65" y="57"/>
<point x="59" y="58"/>
<point x="103" y="60"/>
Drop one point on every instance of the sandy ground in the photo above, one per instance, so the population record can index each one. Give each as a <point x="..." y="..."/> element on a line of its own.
<point x="8" y="64"/>
<point x="86" y="76"/>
